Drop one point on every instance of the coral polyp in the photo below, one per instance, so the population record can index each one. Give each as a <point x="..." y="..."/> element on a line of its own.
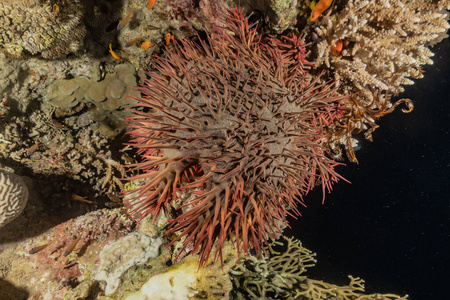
<point x="236" y="122"/>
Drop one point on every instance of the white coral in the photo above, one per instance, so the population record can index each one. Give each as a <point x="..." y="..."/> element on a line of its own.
<point x="13" y="197"/>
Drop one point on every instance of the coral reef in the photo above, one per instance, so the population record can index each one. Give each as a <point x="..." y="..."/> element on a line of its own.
<point x="384" y="45"/>
<point x="50" y="29"/>
<point x="238" y="121"/>
<point x="134" y="249"/>
<point x="282" y="276"/>
<point x="13" y="197"/>
<point x="233" y="130"/>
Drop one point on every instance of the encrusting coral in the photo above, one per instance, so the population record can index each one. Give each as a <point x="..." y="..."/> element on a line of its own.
<point x="237" y="123"/>
<point x="50" y="29"/>
<point x="281" y="275"/>
<point x="106" y="96"/>
<point x="13" y="197"/>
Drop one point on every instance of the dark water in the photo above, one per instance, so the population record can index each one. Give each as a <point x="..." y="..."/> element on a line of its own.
<point x="391" y="225"/>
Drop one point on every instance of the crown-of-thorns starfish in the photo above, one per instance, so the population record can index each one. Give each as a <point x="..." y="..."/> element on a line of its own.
<point x="235" y="122"/>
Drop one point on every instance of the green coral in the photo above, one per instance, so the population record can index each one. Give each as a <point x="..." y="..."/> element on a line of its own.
<point x="281" y="276"/>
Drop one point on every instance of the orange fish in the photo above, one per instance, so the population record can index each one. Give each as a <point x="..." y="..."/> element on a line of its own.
<point x="70" y="248"/>
<point x="336" y="50"/>
<point x="39" y="248"/>
<point x="151" y="3"/>
<point x="145" y="45"/>
<point x="168" y="37"/>
<point x="32" y="149"/>
<point x="113" y="53"/>
<point x="124" y="22"/>
<point x="319" y="8"/>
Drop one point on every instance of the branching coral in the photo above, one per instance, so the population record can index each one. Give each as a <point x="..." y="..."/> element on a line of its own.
<point x="385" y="44"/>
<point x="282" y="276"/>
<point x="279" y="275"/>
<point x="235" y="122"/>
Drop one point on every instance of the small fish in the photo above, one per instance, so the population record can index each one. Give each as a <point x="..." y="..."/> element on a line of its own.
<point x="124" y="22"/>
<point x="113" y="53"/>
<point x="39" y="248"/>
<point x="70" y="264"/>
<point x="115" y="201"/>
<point x="151" y="27"/>
<point x="336" y="50"/>
<point x="32" y="149"/>
<point x="133" y="41"/>
<point x="151" y="3"/>
<point x="57" y="124"/>
<point x="145" y="45"/>
<point x="127" y="158"/>
<point x="319" y="8"/>
<point x="75" y="197"/>
<point x="168" y="37"/>
<point x="72" y="246"/>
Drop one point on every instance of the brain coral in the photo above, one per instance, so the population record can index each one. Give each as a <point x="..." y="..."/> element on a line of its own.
<point x="48" y="28"/>
<point x="237" y="123"/>
<point x="13" y="197"/>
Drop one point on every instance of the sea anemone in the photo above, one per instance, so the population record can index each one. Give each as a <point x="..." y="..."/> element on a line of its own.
<point x="236" y="122"/>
